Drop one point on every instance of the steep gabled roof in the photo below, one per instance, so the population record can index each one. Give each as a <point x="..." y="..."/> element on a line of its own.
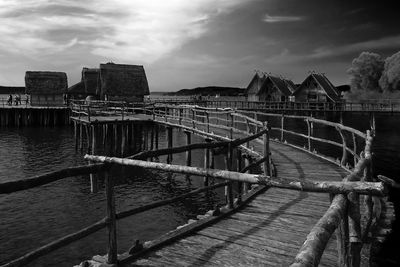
<point x="123" y="80"/>
<point x="78" y="88"/>
<point x="286" y="87"/>
<point x="256" y="79"/>
<point x="324" y="83"/>
<point x="283" y="85"/>
<point x="45" y="82"/>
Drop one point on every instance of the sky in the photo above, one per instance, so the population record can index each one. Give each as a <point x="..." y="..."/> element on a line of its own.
<point x="185" y="44"/>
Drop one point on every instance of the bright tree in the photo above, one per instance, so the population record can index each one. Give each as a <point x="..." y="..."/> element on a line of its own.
<point x="365" y="72"/>
<point x="390" y="79"/>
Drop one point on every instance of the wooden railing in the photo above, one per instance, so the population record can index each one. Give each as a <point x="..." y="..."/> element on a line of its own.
<point x="225" y="146"/>
<point x="204" y="121"/>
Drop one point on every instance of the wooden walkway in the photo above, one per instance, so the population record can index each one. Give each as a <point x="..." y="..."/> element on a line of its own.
<point x="268" y="231"/>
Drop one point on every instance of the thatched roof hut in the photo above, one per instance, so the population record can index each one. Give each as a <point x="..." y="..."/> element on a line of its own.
<point x="317" y="88"/>
<point x="45" y="82"/>
<point x="123" y="80"/>
<point x="269" y="88"/>
<point x="91" y="79"/>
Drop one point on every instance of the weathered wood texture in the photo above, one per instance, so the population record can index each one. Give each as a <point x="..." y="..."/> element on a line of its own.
<point x="269" y="231"/>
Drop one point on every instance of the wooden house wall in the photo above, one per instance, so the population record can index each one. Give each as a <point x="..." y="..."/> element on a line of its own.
<point x="47" y="100"/>
<point x="91" y="79"/>
<point x="253" y="89"/>
<point x="311" y="91"/>
<point x="270" y="93"/>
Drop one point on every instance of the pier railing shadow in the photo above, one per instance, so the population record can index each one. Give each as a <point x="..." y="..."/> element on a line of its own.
<point x="226" y="128"/>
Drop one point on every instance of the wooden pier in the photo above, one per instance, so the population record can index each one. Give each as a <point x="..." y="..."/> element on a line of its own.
<point x="285" y="204"/>
<point x="23" y="115"/>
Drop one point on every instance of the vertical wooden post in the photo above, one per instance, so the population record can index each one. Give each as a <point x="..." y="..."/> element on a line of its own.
<point x="266" y="152"/>
<point x="123" y="139"/>
<point x="309" y="134"/>
<point x="152" y="138"/>
<point x="111" y="220"/>
<point x="93" y="177"/>
<point x="76" y="135"/>
<point x="206" y="162"/>
<point x="87" y="129"/>
<point x="156" y="137"/>
<point x="115" y="141"/>
<point x="354" y="149"/>
<point x="208" y="122"/>
<point x="354" y="229"/>
<point x="169" y="143"/>
<point x="342" y="239"/>
<point x="80" y="136"/>
<point x="239" y="168"/>
<point x="189" y="152"/>
<point x="344" y="146"/>
<point x="228" y="188"/>
<point x="282" y="125"/>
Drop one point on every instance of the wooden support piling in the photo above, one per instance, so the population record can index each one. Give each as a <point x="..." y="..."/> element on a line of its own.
<point x="123" y="140"/>
<point x="169" y="143"/>
<point x="115" y="139"/>
<point x="93" y="177"/>
<point x="111" y="220"/>
<point x="228" y="188"/>
<point x="189" y="152"/>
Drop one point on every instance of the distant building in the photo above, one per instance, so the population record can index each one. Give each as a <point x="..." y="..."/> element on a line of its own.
<point x="269" y="88"/>
<point x="316" y="88"/>
<point x="123" y="82"/>
<point x="112" y="82"/>
<point x="88" y="86"/>
<point x="46" y="87"/>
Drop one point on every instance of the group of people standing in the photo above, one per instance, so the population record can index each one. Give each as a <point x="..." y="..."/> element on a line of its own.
<point x="17" y="100"/>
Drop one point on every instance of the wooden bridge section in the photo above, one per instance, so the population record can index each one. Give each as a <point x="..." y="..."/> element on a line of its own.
<point x="285" y="204"/>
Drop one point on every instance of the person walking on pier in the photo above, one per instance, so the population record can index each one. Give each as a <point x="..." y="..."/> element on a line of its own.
<point x="9" y="101"/>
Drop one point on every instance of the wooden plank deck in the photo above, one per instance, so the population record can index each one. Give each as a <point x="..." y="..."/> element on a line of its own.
<point x="269" y="230"/>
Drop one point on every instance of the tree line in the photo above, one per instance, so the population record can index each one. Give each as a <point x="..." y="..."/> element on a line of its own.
<point x="373" y="77"/>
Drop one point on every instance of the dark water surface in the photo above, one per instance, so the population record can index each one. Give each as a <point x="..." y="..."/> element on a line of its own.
<point x="32" y="218"/>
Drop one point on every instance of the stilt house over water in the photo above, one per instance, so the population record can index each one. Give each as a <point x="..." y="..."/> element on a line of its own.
<point x="317" y="88"/>
<point x="269" y="88"/>
<point x="46" y="88"/>
<point x="123" y="82"/>
<point x="88" y="86"/>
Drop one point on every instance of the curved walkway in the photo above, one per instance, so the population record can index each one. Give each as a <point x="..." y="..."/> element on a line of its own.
<point x="269" y="230"/>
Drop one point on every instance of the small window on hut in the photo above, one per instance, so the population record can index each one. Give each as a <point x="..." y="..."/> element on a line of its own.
<point x="312" y="96"/>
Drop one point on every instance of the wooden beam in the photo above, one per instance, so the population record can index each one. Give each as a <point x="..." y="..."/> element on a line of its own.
<point x="373" y="188"/>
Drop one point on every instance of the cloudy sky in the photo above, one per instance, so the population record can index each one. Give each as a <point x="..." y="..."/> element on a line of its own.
<point x="184" y="44"/>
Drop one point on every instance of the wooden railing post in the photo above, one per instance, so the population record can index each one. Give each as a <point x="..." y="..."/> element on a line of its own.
<point x="93" y="177"/>
<point x="208" y="121"/>
<point x="239" y="168"/>
<point x="354" y="149"/>
<point x="342" y="239"/>
<point x="308" y="134"/>
<point x="266" y="152"/>
<point x="282" y="125"/>
<point x="111" y="220"/>
<point x="228" y="188"/>
<point x="169" y="143"/>
<point x="88" y="112"/>
<point x="354" y="230"/>
<point x="344" y="148"/>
